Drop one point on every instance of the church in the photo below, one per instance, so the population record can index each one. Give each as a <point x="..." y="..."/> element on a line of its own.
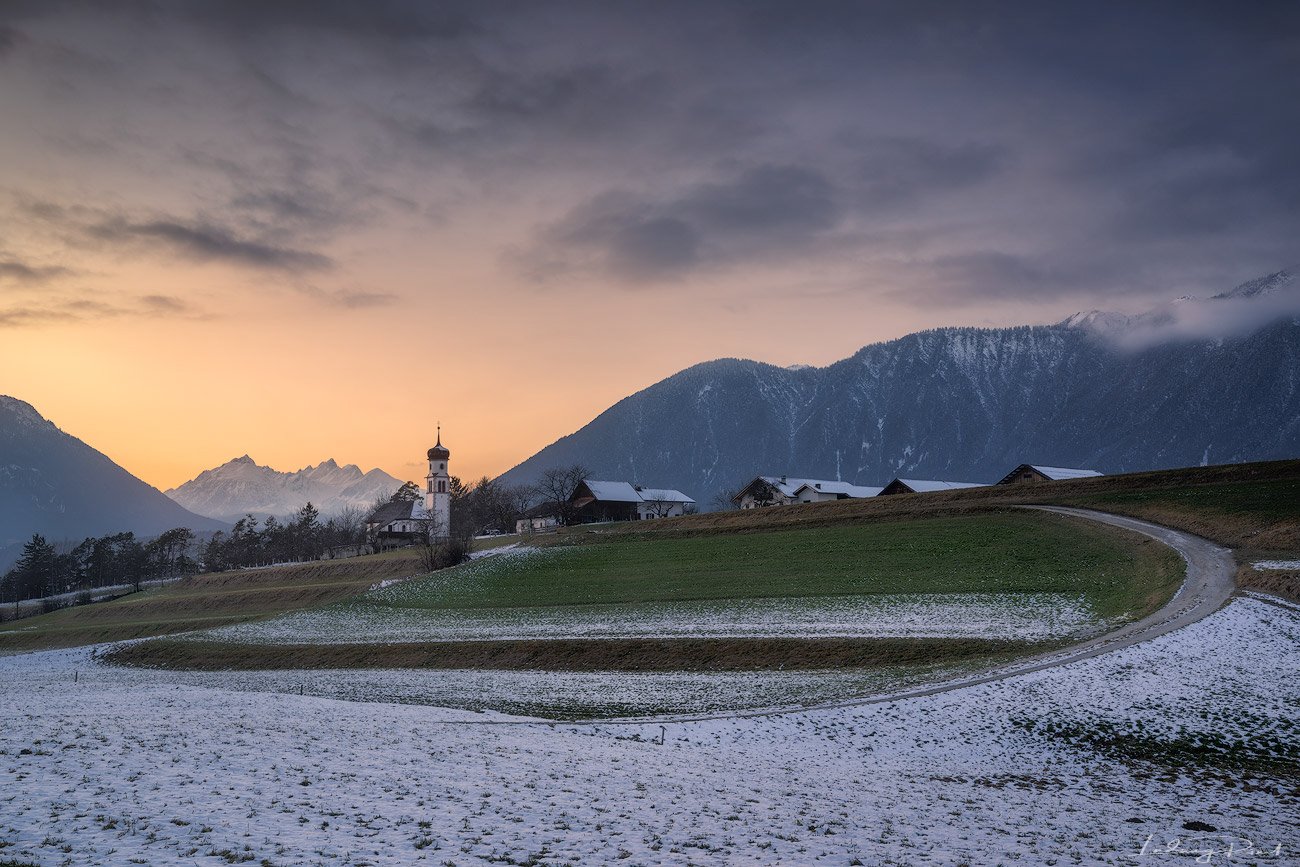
<point x="402" y="521"/>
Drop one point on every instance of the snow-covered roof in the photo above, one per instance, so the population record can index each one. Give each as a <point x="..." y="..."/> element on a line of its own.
<point x="788" y="485"/>
<point x="612" y="492"/>
<point x="663" y="495"/>
<point x="924" y="486"/>
<point x="1053" y="473"/>
<point x="843" y="488"/>
<point x="1058" y="473"/>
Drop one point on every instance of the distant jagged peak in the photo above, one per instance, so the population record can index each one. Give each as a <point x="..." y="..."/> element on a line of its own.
<point x="1240" y="311"/>
<point x="1272" y="284"/>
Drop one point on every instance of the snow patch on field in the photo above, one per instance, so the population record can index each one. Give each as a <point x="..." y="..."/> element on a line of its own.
<point x="1029" y="616"/>
<point x="1264" y="565"/>
<point x="144" y="767"/>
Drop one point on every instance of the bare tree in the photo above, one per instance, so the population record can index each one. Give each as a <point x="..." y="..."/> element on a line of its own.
<point x="659" y="506"/>
<point x="724" y="500"/>
<point x="557" y="486"/>
<point x="438" y="548"/>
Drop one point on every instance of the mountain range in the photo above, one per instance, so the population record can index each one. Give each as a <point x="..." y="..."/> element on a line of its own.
<point x="241" y="486"/>
<point x="1196" y="381"/>
<point x="54" y="484"/>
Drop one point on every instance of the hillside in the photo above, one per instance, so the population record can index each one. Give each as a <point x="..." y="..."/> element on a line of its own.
<point x="241" y="486"/>
<point x="1115" y="393"/>
<point x="55" y="484"/>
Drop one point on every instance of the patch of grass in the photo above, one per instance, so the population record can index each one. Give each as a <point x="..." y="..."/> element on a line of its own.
<point x="999" y="552"/>
<point x="580" y="654"/>
<point x="1248" y="743"/>
<point x="204" y="601"/>
<point x="1254" y="515"/>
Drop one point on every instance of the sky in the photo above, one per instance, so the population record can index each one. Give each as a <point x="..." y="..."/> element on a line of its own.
<point x="303" y="230"/>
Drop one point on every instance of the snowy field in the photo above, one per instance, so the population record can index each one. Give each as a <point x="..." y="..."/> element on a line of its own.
<point x="1191" y="737"/>
<point x="1028" y="616"/>
<point x="394" y="612"/>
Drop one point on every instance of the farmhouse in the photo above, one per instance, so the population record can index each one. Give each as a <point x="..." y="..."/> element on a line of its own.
<point x="815" y="491"/>
<point x="925" y="486"/>
<point x="544" y="516"/>
<point x="785" y="491"/>
<point x="1037" y="473"/>
<point x="595" y="500"/>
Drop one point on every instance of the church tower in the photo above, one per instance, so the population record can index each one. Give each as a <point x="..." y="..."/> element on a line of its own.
<point x="437" y="498"/>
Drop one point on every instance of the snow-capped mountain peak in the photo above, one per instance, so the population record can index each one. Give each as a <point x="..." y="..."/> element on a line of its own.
<point x="241" y="486"/>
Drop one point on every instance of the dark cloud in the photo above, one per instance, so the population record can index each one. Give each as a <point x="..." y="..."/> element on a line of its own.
<point x="81" y="309"/>
<point x="357" y="300"/>
<point x="996" y="275"/>
<point x="165" y="304"/>
<point x="382" y="20"/>
<point x="209" y="242"/>
<point x="10" y="39"/>
<point x="643" y="238"/>
<point x="1003" y="150"/>
<point x="15" y="271"/>
<point x="903" y="170"/>
<point x="352" y="299"/>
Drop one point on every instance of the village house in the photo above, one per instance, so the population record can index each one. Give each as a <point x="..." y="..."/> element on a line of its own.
<point x="786" y="491"/>
<point x="595" y="500"/>
<point x="925" y="486"/>
<point x="540" y="518"/>
<point x="1038" y="473"/>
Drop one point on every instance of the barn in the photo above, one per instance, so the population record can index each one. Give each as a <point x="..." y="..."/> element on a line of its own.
<point x="1038" y="473"/>
<point x="595" y="500"/>
<point x="925" y="486"/>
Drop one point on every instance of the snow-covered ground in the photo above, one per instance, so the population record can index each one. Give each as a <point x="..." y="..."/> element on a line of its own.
<point x="1189" y="737"/>
<point x="1268" y="565"/>
<point x="1029" y="616"/>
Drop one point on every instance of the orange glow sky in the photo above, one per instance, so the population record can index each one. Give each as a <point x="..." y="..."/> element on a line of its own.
<point x="304" y="233"/>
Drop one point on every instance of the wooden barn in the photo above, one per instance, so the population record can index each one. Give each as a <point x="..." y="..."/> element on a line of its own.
<point x="925" y="486"/>
<point x="1037" y="473"/>
<point x="597" y="501"/>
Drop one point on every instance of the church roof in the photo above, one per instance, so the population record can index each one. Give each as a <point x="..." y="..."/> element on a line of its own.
<point x="439" y="452"/>
<point x="399" y="510"/>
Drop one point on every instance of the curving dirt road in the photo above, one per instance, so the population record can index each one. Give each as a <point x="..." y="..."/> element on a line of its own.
<point x="1209" y="582"/>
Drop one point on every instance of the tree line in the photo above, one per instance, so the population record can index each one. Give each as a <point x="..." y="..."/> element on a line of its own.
<point x="304" y="536"/>
<point x="117" y="559"/>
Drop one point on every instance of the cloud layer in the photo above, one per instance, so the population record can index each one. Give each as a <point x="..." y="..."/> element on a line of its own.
<point x="1011" y="151"/>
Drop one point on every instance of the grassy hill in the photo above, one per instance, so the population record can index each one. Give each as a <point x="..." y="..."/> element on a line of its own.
<point x="710" y="601"/>
<point x="205" y="601"/>
<point x="907" y="543"/>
